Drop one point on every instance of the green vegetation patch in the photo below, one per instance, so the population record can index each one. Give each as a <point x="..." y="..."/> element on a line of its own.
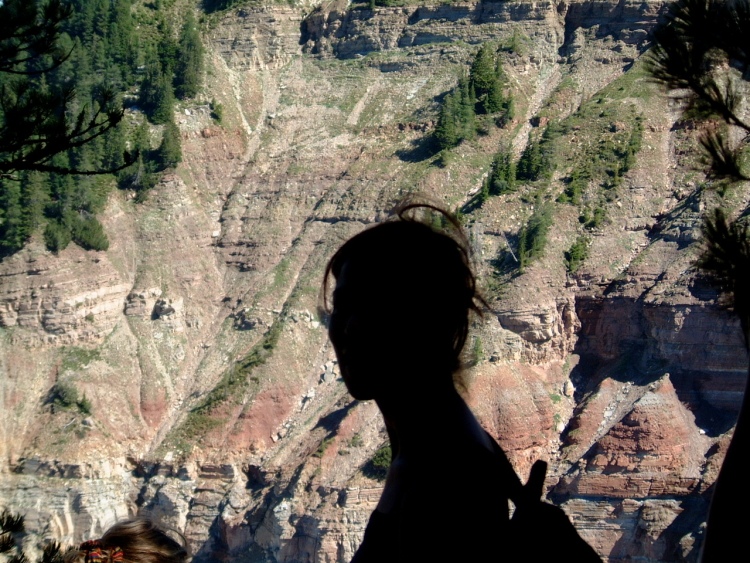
<point x="577" y="253"/>
<point x="635" y="83"/>
<point x="501" y="178"/>
<point x="65" y="396"/>
<point x="76" y="358"/>
<point x="119" y="53"/>
<point x="484" y="91"/>
<point x="323" y="447"/>
<point x="231" y="389"/>
<point x="592" y="148"/>
<point x="477" y="351"/>
<point x="592" y="219"/>
<point x="533" y="236"/>
<point x="377" y="467"/>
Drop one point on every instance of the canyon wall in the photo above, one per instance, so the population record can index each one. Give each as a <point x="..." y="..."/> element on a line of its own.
<point x="217" y="407"/>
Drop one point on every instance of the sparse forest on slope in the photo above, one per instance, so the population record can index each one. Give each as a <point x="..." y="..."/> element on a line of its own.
<point x="97" y="56"/>
<point x="212" y="397"/>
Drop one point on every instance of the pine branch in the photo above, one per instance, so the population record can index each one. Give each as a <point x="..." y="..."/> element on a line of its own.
<point x="7" y="543"/>
<point x="11" y="523"/>
<point x="723" y="101"/>
<point x="56" y="62"/>
<point x="27" y="33"/>
<point x="52" y="553"/>
<point x="727" y="258"/>
<point x="129" y="157"/>
<point x="724" y="161"/>
<point x="36" y="129"/>
<point x="692" y="51"/>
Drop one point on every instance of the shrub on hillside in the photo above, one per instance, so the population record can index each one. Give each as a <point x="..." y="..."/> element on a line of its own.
<point x="56" y="237"/>
<point x="88" y="233"/>
<point x="576" y="254"/>
<point x="65" y="396"/>
<point x="533" y="236"/>
<point x="377" y="467"/>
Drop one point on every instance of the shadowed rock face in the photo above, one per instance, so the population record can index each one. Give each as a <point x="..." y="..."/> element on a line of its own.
<point x="343" y="33"/>
<point x="697" y="345"/>
<point x="216" y="401"/>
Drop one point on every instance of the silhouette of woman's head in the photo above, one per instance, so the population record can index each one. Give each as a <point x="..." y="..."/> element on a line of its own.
<point x="400" y="313"/>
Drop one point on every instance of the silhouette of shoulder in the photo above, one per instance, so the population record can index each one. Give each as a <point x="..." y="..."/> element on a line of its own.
<point x="457" y="510"/>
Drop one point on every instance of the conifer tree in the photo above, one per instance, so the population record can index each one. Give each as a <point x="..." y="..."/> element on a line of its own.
<point x="163" y="111"/>
<point x="482" y="75"/>
<point x="533" y="235"/>
<point x="169" y="153"/>
<point x="156" y="93"/>
<point x="56" y="236"/>
<point x="507" y="113"/>
<point x="217" y="111"/>
<point x="167" y="49"/>
<point x="484" y="192"/>
<point x="488" y="79"/>
<point x="502" y="177"/>
<point x="510" y="108"/>
<point x="530" y="163"/>
<point x="114" y="147"/>
<point x="34" y="197"/>
<point x="100" y="13"/>
<point x="495" y="100"/>
<point x="140" y="175"/>
<point x="14" y="229"/>
<point x="122" y="50"/>
<point x="87" y="232"/>
<point x="187" y="80"/>
<point x="446" y="130"/>
<point x="468" y="125"/>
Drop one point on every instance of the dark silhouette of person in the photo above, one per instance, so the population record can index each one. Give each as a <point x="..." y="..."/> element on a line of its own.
<point x="398" y="323"/>
<point x="727" y="258"/>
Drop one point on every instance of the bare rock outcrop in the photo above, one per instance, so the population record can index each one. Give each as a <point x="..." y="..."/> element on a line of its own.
<point x="652" y="455"/>
<point x="333" y="30"/>
<point x="549" y="331"/>
<point x="258" y="39"/>
<point x="78" y="302"/>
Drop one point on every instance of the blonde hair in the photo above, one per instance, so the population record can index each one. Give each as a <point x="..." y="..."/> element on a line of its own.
<point x="138" y="540"/>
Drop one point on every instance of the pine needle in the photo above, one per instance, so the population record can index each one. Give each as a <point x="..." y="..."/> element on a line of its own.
<point x="727" y="258"/>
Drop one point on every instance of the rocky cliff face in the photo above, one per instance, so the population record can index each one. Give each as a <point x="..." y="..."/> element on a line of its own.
<point x="335" y="30"/>
<point x="216" y="403"/>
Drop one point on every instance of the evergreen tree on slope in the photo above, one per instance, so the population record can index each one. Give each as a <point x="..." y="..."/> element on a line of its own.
<point x="187" y="80"/>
